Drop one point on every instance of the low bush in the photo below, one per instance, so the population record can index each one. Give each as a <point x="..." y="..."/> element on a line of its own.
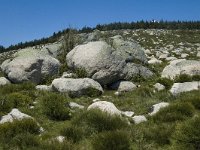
<point x="112" y="140"/>
<point x="187" y="135"/>
<point x="81" y="73"/>
<point x="183" y="78"/>
<point x="19" y="99"/>
<point x="11" y="129"/>
<point x="95" y="121"/>
<point x="166" y="82"/>
<point x="158" y="133"/>
<point x="5" y="105"/>
<point x="174" y="112"/>
<point x="54" y="106"/>
<point x="73" y="133"/>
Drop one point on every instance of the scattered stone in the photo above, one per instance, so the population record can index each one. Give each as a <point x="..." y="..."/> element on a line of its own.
<point x="105" y="106"/>
<point x="117" y="93"/>
<point x="75" y="105"/>
<point x="184" y="55"/>
<point x="198" y="54"/>
<point x="15" y="114"/>
<point x="77" y="87"/>
<point x="123" y="86"/>
<point x="185" y="87"/>
<point x="96" y="99"/>
<point x="154" y="61"/>
<point x="157" y="107"/>
<point x="44" y="88"/>
<point x="4" y="81"/>
<point x="60" y="139"/>
<point x="67" y="75"/>
<point x="127" y="113"/>
<point x="159" y="87"/>
<point x="181" y="66"/>
<point x="139" y="119"/>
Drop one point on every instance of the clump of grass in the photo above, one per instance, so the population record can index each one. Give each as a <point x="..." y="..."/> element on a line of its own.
<point x="5" y="105"/>
<point x="81" y="73"/>
<point x="112" y="140"/>
<point x="166" y="82"/>
<point x="19" y="99"/>
<point x="175" y="112"/>
<point x="10" y="130"/>
<point x="54" y="106"/>
<point x="186" y="78"/>
<point x="187" y="135"/>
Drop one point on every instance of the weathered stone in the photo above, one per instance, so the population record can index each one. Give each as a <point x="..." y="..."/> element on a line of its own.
<point x="184" y="87"/>
<point x="155" y="108"/>
<point x="4" y="81"/>
<point x="139" y="119"/>
<point x="123" y="86"/>
<point x="159" y="87"/>
<point x="105" y="106"/>
<point x="77" y="87"/>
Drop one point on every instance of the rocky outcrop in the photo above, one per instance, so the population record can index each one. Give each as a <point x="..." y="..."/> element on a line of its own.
<point x="77" y="87"/>
<point x="105" y="106"/>
<point x="30" y="65"/>
<point x="185" y="87"/>
<point x="107" y="64"/>
<point x="181" y="66"/>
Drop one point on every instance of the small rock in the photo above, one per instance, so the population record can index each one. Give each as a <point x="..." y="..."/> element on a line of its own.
<point x="139" y="119"/>
<point x="184" y="55"/>
<point x="96" y="99"/>
<point x="117" y="93"/>
<point x="4" y="81"/>
<point x="105" y="106"/>
<point x="60" y="139"/>
<point x="157" y="107"/>
<point x="128" y="113"/>
<point x="75" y="105"/>
<point x="123" y="86"/>
<point x="15" y="114"/>
<point x="67" y="75"/>
<point x="159" y="87"/>
<point x="44" y="88"/>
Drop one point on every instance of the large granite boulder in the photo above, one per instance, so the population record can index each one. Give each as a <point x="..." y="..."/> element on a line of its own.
<point x="181" y="66"/>
<point x="77" y="87"/>
<point x="107" y="64"/>
<point x="30" y="65"/>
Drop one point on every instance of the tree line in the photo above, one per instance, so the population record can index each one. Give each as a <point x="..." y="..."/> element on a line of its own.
<point x="170" y="25"/>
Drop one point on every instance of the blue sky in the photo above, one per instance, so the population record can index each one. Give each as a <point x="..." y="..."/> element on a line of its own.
<point x="24" y="20"/>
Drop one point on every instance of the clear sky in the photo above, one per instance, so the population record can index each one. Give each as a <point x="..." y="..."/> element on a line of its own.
<point x="24" y="20"/>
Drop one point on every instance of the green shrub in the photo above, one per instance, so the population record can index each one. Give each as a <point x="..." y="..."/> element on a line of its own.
<point x="5" y="105"/>
<point x="183" y="78"/>
<point x="158" y="133"/>
<point x="196" y="77"/>
<point x="95" y="121"/>
<point x="81" y="73"/>
<point x="19" y="99"/>
<point x="166" y="82"/>
<point x="174" y="112"/>
<point x="10" y="130"/>
<point x="73" y="133"/>
<point x="10" y="88"/>
<point x="54" y="106"/>
<point x="187" y="134"/>
<point x="112" y="140"/>
<point x="25" y="141"/>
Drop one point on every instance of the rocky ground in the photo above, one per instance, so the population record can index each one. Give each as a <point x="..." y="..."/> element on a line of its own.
<point x="125" y="89"/>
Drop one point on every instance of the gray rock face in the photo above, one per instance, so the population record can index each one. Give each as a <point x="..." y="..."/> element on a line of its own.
<point x="107" y="64"/>
<point x="29" y="65"/>
<point x="157" y="107"/>
<point x="76" y="87"/>
<point x="4" y="81"/>
<point x="105" y="106"/>
<point x="181" y="66"/>
<point x="15" y="114"/>
<point x="123" y="86"/>
<point x="184" y="87"/>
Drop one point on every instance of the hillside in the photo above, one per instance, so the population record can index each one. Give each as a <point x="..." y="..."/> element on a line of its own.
<point x="114" y="89"/>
